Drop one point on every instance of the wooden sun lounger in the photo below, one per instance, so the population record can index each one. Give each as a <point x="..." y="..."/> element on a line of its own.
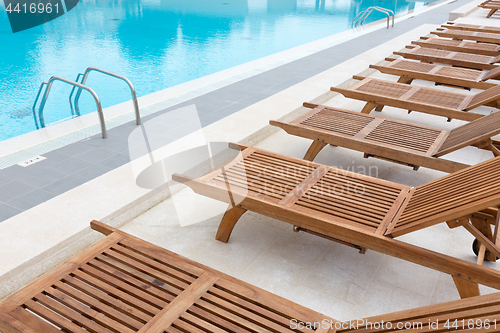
<point x="471" y="27"/>
<point x="459" y="59"/>
<point x="392" y="140"/>
<point x="408" y="70"/>
<point x="459" y="46"/>
<point x="378" y="93"/>
<point x="485" y="37"/>
<point x="123" y="284"/>
<point x="362" y="211"/>
<point x="476" y="314"/>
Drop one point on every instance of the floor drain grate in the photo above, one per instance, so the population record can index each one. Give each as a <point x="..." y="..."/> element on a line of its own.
<point x="31" y="161"/>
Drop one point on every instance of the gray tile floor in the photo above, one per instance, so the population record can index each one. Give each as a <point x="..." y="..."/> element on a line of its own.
<point x="65" y="168"/>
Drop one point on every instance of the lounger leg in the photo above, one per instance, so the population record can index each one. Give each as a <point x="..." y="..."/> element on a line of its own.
<point x="368" y="107"/>
<point x="492" y="11"/>
<point x="228" y="222"/>
<point x="494" y="150"/>
<point x="314" y="149"/>
<point x="483" y="224"/>
<point x="465" y="287"/>
<point x="379" y="107"/>
<point x="481" y="254"/>
<point x="405" y="79"/>
<point x="488" y="145"/>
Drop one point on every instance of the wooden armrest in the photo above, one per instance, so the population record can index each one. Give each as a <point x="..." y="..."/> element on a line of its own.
<point x="102" y="228"/>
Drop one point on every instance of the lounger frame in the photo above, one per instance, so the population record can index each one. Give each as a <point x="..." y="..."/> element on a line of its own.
<point x="408" y="70"/>
<point x="379" y="93"/>
<point x="492" y="50"/>
<point x="402" y="142"/>
<point x="484" y="37"/>
<point x="357" y="229"/>
<point x="459" y="59"/>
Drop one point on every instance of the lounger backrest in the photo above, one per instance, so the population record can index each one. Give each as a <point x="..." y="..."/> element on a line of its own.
<point x="451" y="197"/>
<point x="433" y="317"/>
<point x="470" y="133"/>
<point x="493" y="73"/>
<point x="484" y="97"/>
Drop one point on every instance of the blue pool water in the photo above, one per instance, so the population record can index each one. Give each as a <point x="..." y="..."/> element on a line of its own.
<point x="156" y="44"/>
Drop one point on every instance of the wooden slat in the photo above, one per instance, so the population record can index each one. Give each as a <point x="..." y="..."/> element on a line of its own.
<point x="484" y="37"/>
<point x="95" y="303"/>
<point x="39" y="284"/>
<point x="183" y="277"/>
<point x="254" y="310"/>
<point x="116" y="290"/>
<point x="21" y="320"/>
<point x="62" y="317"/>
<point x="253" y="299"/>
<point x="171" y="312"/>
<point x="459" y="46"/>
<point x="467" y="60"/>
<point x="238" y="315"/>
<point x="194" y="321"/>
<point x="106" y="271"/>
<point x="476" y="308"/>
<point x="96" y="316"/>
<point x="427" y="100"/>
<point x="164" y="258"/>
<point x="114" y="298"/>
<point x="461" y="193"/>
<point x="131" y="295"/>
<point x="294" y="195"/>
<point x="394" y="150"/>
<point x="145" y="272"/>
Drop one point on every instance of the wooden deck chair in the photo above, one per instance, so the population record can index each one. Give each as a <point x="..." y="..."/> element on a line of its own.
<point x="459" y="46"/>
<point x="459" y="59"/>
<point x="392" y="140"/>
<point x="485" y="37"/>
<point x="362" y="211"/>
<point x="378" y="93"/>
<point x="123" y="284"/>
<point x="408" y="70"/>
<point x="476" y="314"/>
<point x="471" y="27"/>
<point x="492" y="6"/>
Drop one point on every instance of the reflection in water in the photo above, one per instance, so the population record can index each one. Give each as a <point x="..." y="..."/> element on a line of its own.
<point x="281" y="6"/>
<point x="320" y="5"/>
<point x="156" y="44"/>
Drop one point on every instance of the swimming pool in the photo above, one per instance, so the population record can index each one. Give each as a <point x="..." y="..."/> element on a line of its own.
<point x="156" y="44"/>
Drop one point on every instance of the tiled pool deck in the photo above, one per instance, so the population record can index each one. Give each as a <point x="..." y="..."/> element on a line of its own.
<point x="22" y="188"/>
<point x="323" y="275"/>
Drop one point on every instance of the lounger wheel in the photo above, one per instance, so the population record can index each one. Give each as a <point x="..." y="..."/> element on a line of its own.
<point x="475" y="249"/>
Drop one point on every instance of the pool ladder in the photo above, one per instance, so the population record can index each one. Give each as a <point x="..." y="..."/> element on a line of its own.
<point x="361" y="17"/>
<point x="79" y="86"/>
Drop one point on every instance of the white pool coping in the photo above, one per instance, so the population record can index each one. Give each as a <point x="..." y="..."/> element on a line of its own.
<point x="464" y="10"/>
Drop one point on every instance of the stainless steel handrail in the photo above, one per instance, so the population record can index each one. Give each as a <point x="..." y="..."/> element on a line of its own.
<point x="79" y="85"/>
<point x="361" y="16"/>
<point x="383" y="10"/>
<point x="131" y="86"/>
<point x="74" y="111"/>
